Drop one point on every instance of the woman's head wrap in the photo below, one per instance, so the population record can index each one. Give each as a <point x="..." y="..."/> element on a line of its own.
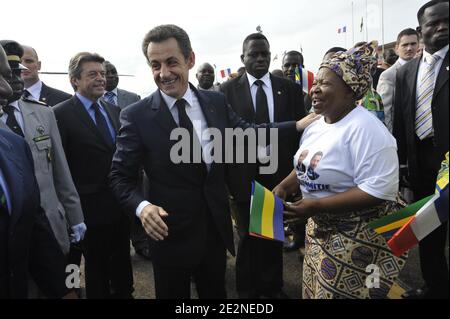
<point x="355" y="66"/>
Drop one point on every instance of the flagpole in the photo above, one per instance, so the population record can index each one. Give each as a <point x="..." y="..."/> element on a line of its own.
<point x="367" y="24"/>
<point x="382" y="26"/>
<point x="353" y="25"/>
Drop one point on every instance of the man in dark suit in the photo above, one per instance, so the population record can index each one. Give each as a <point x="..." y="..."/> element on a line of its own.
<point x="186" y="213"/>
<point x="27" y="244"/>
<point x="421" y="128"/>
<point x="88" y="129"/>
<point x="259" y="97"/>
<point x="114" y="95"/>
<point x="35" y="88"/>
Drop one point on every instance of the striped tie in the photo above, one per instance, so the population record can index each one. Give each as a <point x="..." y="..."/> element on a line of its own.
<point x="424" y="119"/>
<point x="110" y="97"/>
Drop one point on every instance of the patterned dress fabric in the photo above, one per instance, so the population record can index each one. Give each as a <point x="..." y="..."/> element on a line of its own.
<point x="339" y="249"/>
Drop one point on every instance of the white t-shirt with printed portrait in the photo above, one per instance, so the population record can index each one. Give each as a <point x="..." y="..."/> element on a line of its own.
<point x="357" y="151"/>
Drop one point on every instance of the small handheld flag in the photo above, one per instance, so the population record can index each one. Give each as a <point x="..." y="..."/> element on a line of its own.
<point x="432" y="215"/>
<point x="304" y="78"/>
<point x="266" y="214"/>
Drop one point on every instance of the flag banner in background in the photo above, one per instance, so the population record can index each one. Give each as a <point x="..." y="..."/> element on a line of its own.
<point x="266" y="214"/>
<point x="225" y="73"/>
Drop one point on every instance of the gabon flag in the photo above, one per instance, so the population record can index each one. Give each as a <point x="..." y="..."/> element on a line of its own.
<point x="266" y="214"/>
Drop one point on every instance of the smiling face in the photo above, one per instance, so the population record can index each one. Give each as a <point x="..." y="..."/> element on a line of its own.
<point x="92" y="81"/>
<point x="169" y="67"/>
<point x="434" y="27"/>
<point x="331" y="97"/>
<point x="205" y="76"/>
<point x="256" y="57"/>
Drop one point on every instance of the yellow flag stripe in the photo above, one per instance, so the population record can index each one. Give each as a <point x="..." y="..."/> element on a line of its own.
<point x="392" y="226"/>
<point x="267" y="215"/>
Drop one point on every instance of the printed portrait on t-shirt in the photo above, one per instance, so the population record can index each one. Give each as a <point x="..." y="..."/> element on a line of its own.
<point x="301" y="168"/>
<point x="312" y="175"/>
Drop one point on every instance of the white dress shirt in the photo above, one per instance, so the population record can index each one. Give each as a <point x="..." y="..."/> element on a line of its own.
<point x="35" y="90"/>
<point x="195" y="113"/>
<point x="267" y="89"/>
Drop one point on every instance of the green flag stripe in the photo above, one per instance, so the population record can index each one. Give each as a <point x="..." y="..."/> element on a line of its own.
<point x="257" y="209"/>
<point x="399" y="215"/>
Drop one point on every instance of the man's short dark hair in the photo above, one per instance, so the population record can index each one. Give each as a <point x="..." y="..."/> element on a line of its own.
<point x="254" y="36"/>
<point x="427" y="5"/>
<point x="406" y="32"/>
<point x="335" y="50"/>
<point x="164" y="32"/>
<point x="293" y="52"/>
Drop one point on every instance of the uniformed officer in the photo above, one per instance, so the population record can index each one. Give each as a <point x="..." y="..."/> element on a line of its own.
<point x="36" y="123"/>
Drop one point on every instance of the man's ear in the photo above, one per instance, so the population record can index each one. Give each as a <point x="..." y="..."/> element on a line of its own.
<point x="242" y="58"/>
<point x="39" y="65"/>
<point x="419" y="31"/>
<point x="191" y="60"/>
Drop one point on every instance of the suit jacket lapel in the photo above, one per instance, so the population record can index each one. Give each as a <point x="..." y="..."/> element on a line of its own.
<point x="14" y="178"/>
<point x="112" y="118"/>
<point x="279" y="99"/>
<point x="245" y="98"/>
<point x="44" y="92"/>
<point x="163" y="116"/>
<point x="85" y="118"/>
<point x="412" y="83"/>
<point x="442" y="78"/>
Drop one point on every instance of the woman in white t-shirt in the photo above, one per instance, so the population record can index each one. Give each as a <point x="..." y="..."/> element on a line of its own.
<point x="347" y="171"/>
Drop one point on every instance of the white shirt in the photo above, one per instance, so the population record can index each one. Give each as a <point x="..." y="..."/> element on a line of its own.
<point x="267" y="89"/>
<point x="35" y="90"/>
<point x="402" y="62"/>
<point x="357" y="151"/>
<point x="17" y="114"/>
<point x="195" y="114"/>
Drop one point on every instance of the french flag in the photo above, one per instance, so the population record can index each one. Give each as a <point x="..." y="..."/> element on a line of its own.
<point x="304" y="78"/>
<point x="342" y="30"/>
<point x="225" y="73"/>
<point x="432" y="215"/>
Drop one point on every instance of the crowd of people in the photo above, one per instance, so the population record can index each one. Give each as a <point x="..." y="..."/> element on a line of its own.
<point x="82" y="174"/>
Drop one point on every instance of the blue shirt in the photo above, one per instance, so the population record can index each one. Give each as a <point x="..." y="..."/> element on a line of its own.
<point x="87" y="103"/>
<point x="5" y="190"/>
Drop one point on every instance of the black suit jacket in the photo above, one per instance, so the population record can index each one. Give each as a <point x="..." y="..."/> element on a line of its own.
<point x="405" y="112"/>
<point x="89" y="157"/>
<point x="52" y="96"/>
<point x="288" y="106"/>
<point x="27" y="243"/>
<point x="189" y="199"/>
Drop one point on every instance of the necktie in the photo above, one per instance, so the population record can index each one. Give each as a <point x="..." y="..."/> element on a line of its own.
<point x="424" y="118"/>
<point x="3" y="205"/>
<point x="11" y="121"/>
<point x="185" y="122"/>
<point x="27" y="95"/>
<point x="102" y="125"/>
<point x="262" y="108"/>
<point x="110" y="97"/>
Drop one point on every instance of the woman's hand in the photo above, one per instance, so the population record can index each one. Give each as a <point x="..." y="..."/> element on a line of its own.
<point x="306" y="121"/>
<point x="301" y="209"/>
<point x="280" y="192"/>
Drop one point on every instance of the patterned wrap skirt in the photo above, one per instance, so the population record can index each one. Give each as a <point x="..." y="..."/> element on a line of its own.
<point x="346" y="259"/>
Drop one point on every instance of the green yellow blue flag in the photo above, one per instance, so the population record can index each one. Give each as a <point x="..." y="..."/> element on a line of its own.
<point x="266" y="214"/>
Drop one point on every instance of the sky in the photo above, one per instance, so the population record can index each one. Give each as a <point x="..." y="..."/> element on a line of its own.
<point x="115" y="29"/>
